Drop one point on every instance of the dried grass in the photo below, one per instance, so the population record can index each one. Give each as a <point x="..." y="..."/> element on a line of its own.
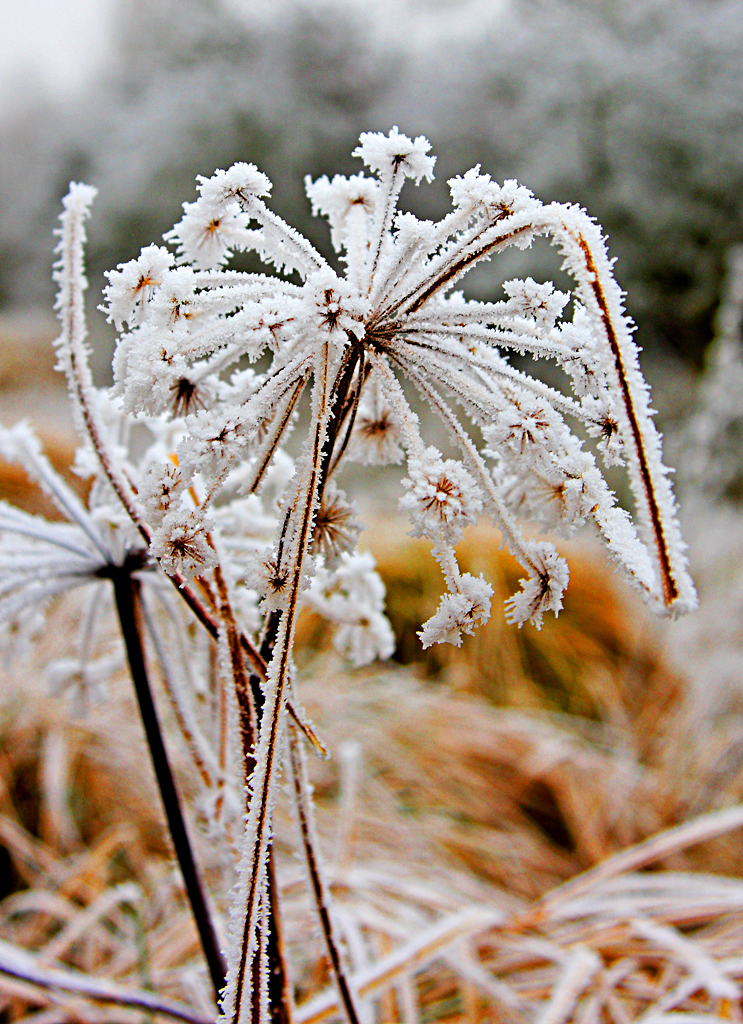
<point x="463" y="858"/>
<point x="474" y="824"/>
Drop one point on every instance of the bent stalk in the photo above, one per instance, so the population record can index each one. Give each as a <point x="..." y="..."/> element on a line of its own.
<point x="127" y="596"/>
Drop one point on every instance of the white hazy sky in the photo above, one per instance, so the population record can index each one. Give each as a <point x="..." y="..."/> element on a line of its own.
<point x="54" y="42"/>
<point x="57" y="43"/>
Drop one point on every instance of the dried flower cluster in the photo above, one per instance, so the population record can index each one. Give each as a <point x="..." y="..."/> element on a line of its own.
<point x="217" y="361"/>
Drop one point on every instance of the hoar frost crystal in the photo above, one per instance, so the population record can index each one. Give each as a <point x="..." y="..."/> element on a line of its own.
<point x="228" y="514"/>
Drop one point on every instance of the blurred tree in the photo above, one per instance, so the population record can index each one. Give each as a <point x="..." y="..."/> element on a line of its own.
<point x="634" y="109"/>
<point x="192" y="86"/>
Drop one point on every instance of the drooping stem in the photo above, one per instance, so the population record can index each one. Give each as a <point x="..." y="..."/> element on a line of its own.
<point x="126" y="592"/>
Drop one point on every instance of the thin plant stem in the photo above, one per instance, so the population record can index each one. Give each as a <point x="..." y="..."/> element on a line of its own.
<point x="126" y="592"/>
<point x="280" y="1002"/>
<point x="250" y="709"/>
<point x="303" y="804"/>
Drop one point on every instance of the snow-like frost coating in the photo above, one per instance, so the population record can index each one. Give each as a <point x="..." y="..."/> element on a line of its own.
<point x="248" y="535"/>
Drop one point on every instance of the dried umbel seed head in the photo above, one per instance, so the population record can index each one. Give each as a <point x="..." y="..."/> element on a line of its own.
<point x="353" y="336"/>
<point x="227" y="357"/>
<point x="335" y="528"/>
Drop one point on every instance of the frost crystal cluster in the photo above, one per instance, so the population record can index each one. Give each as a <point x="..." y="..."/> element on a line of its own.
<point x="217" y="362"/>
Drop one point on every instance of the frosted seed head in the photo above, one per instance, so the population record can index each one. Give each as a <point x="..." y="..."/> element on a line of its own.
<point x="375" y="440"/>
<point x="442" y="498"/>
<point x="206" y="238"/>
<point x="525" y="428"/>
<point x="333" y="307"/>
<point x="175" y="303"/>
<point x="356" y="576"/>
<point x="269" y="578"/>
<point x="158" y="491"/>
<point x="339" y="199"/>
<point x="181" y="546"/>
<point x="460" y="611"/>
<point x="192" y="327"/>
<point x="385" y="153"/>
<point x="352" y="595"/>
<point x="474" y="193"/>
<point x="539" y="302"/>
<point x="543" y="589"/>
<point x="133" y="284"/>
<point x="335" y="529"/>
<point x="603" y="424"/>
<point x="367" y="640"/>
<point x="242" y="182"/>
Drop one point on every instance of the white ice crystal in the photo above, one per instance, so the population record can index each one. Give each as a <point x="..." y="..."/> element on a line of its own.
<point x="459" y="612"/>
<point x="442" y="497"/>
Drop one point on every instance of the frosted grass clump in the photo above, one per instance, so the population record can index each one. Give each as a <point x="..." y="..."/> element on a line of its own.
<point x="216" y="361"/>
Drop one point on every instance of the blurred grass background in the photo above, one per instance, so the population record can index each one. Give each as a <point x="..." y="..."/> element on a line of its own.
<point x="631" y="109"/>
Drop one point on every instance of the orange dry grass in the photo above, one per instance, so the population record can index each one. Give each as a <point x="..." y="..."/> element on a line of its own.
<point x="598" y="660"/>
<point x="466" y="810"/>
<point x="86" y="872"/>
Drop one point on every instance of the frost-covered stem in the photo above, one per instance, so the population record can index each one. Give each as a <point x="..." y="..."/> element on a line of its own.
<point x="72" y="351"/>
<point x="448" y="270"/>
<point x="405" y="419"/>
<point x="305" y="819"/>
<point x="339" y="409"/>
<point x="257" y="662"/>
<point x="670" y="589"/>
<point x="427" y="353"/>
<point x="277" y="432"/>
<point x="189" y="729"/>
<point x="245" y="698"/>
<point x="382" y="222"/>
<point x="258" y="827"/>
<point x="348" y="415"/>
<point x="261" y="1004"/>
<point x="126" y="592"/>
<point x="223" y="731"/>
<point x="269" y="946"/>
<point x="250" y="707"/>
<point x="280" y="998"/>
<point x="587" y="261"/>
<point x="279" y="994"/>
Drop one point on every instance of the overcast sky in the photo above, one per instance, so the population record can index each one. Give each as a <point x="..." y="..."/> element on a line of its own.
<point x="54" y="42"/>
<point x="57" y="43"/>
